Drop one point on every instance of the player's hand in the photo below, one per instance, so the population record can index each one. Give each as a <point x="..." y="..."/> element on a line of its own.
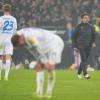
<point x="93" y="45"/>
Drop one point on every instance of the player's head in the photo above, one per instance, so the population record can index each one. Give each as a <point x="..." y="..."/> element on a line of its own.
<point x="7" y="8"/>
<point x="85" y="17"/>
<point x="17" y="40"/>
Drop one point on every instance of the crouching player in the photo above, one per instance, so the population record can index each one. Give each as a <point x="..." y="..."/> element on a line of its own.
<point x="47" y="48"/>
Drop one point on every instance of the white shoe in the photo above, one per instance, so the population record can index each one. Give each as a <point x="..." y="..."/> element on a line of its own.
<point x="79" y="76"/>
<point x="87" y="76"/>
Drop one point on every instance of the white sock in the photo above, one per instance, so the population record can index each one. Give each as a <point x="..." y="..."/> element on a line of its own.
<point x="7" y="68"/>
<point x="40" y="81"/>
<point x="51" y="82"/>
<point x="0" y="67"/>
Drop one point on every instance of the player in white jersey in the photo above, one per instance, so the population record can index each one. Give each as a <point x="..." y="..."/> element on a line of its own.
<point x="49" y="48"/>
<point x="8" y="26"/>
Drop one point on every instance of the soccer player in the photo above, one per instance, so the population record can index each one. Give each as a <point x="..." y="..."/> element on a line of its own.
<point x="8" y="26"/>
<point x="47" y="48"/>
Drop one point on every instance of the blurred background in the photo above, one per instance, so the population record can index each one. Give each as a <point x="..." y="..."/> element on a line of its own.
<point x="52" y="14"/>
<point x="60" y="15"/>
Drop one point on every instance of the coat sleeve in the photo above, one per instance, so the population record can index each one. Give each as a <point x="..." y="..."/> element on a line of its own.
<point x="93" y="35"/>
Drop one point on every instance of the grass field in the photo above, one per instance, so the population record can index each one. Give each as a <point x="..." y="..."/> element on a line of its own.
<point x="21" y="86"/>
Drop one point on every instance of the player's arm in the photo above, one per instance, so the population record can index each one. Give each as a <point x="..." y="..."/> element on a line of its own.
<point x="15" y="25"/>
<point x="34" y="46"/>
<point x="93" y="37"/>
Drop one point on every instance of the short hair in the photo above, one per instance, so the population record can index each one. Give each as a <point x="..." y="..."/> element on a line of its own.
<point x="7" y="8"/>
<point x="84" y="14"/>
<point x="15" y="40"/>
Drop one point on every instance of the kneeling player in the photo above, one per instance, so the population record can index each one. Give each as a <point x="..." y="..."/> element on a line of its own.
<point x="47" y="48"/>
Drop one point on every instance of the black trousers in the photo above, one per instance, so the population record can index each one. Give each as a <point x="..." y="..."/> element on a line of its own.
<point x="84" y="53"/>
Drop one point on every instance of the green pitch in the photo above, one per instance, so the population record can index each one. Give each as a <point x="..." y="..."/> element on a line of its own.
<point x="21" y="86"/>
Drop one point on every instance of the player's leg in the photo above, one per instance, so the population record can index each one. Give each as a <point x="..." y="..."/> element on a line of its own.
<point x="87" y="76"/>
<point x="39" y="79"/>
<point x="50" y="66"/>
<point x="51" y="79"/>
<point x="83" y="66"/>
<point x="77" y="58"/>
<point x="0" y="66"/>
<point x="77" y="62"/>
<point x="1" y="53"/>
<point x="80" y="69"/>
<point x="8" y="53"/>
<point x="7" y="66"/>
<point x="54" y="57"/>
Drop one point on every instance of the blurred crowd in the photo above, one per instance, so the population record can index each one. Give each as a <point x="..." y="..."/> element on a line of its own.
<point x="52" y="13"/>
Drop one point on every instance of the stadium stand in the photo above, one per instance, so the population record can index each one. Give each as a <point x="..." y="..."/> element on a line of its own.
<point x="52" y="13"/>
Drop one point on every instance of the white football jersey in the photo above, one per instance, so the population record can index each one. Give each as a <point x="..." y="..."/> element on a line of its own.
<point x="42" y="38"/>
<point x="8" y="26"/>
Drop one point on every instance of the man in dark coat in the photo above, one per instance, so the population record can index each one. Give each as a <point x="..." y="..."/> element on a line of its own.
<point x="83" y="40"/>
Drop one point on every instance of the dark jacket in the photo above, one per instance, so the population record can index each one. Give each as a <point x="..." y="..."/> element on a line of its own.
<point x="83" y="35"/>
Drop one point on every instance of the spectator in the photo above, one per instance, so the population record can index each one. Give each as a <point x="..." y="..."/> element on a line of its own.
<point x="69" y="31"/>
<point x="52" y="12"/>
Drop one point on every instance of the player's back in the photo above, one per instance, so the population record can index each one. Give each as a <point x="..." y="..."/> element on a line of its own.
<point x="8" y="25"/>
<point x="31" y="32"/>
<point x="41" y="35"/>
